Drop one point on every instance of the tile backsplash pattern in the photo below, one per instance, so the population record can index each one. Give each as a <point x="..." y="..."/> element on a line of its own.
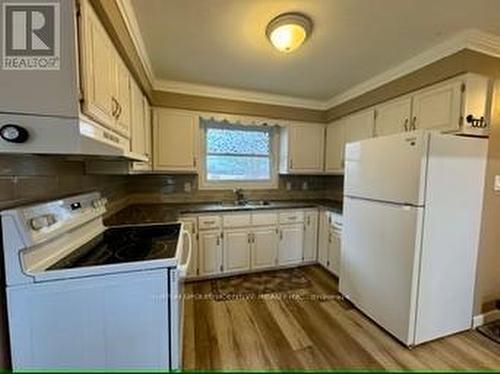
<point x="171" y="188"/>
<point x="25" y="179"/>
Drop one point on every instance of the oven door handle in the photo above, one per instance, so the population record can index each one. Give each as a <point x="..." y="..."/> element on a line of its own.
<point x="183" y="268"/>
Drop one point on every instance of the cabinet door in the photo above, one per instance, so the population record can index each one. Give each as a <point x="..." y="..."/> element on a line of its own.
<point x="210" y="252"/>
<point x="174" y="140"/>
<point x="122" y="96"/>
<point x="334" y="246"/>
<point x="190" y="227"/>
<point x="311" y="235"/>
<point x="291" y="242"/>
<point x="438" y="108"/>
<point x="147" y="129"/>
<point x="393" y="117"/>
<point x="359" y="126"/>
<point x="306" y="147"/>
<point x="96" y="68"/>
<point x="236" y="250"/>
<point x="264" y="247"/>
<point x="138" y="133"/>
<point x="334" y="148"/>
<point x="324" y="232"/>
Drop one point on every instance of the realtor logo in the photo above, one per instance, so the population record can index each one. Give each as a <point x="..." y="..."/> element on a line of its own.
<point x="31" y="36"/>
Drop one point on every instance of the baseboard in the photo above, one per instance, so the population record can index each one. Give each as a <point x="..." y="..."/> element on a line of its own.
<point x="484" y="318"/>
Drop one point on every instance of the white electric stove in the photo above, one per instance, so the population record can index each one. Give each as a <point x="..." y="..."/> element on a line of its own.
<point x="84" y="296"/>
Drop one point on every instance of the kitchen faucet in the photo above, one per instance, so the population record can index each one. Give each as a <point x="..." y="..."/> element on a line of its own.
<point x="240" y="198"/>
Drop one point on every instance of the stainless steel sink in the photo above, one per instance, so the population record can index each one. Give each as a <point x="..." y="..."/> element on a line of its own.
<point x="247" y="204"/>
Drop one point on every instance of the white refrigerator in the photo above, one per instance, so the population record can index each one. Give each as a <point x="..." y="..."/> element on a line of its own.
<point x="412" y="216"/>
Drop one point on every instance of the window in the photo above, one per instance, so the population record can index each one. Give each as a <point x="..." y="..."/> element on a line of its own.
<point x="238" y="156"/>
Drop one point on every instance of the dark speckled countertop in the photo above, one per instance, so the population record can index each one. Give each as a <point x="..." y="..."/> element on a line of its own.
<point x="168" y="212"/>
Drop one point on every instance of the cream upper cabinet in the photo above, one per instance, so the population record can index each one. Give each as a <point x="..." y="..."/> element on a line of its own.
<point x="301" y="150"/>
<point x="237" y="250"/>
<point x="310" y="235"/>
<point x="97" y="69"/>
<point x="121" y="97"/>
<point x="393" y="117"/>
<point x="438" y="107"/>
<point x="138" y="133"/>
<point x="359" y="126"/>
<point x="174" y="140"/>
<point x="334" y="148"/>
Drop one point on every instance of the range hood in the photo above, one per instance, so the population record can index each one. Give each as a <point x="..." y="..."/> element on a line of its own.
<point x="63" y="136"/>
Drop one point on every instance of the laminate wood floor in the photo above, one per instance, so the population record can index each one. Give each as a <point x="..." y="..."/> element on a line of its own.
<point x="283" y="332"/>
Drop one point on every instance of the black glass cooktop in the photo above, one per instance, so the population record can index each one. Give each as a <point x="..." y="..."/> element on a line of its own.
<point x="125" y="244"/>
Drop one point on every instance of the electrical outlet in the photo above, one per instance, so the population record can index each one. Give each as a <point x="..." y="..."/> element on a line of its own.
<point x="187" y="187"/>
<point x="497" y="183"/>
<point x="288" y="186"/>
<point x="305" y="186"/>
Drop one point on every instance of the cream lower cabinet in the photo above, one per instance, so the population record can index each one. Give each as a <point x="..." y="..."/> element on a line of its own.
<point x="310" y="235"/>
<point x="323" y="237"/>
<point x="334" y="246"/>
<point x="237" y="246"/>
<point x="290" y="249"/>
<point x="264" y="247"/>
<point x="210" y="252"/>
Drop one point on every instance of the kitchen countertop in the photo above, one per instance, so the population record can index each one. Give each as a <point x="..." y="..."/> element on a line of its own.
<point x="169" y="212"/>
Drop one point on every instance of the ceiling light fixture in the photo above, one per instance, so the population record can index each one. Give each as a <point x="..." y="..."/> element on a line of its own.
<point x="288" y="31"/>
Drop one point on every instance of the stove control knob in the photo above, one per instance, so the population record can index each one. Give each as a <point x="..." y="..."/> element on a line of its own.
<point x="38" y="223"/>
<point x="14" y="133"/>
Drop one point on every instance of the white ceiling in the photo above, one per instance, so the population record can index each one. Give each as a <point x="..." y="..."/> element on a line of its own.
<point x="222" y="42"/>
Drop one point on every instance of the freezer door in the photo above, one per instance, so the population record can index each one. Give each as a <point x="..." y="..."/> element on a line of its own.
<point x="379" y="262"/>
<point x="388" y="168"/>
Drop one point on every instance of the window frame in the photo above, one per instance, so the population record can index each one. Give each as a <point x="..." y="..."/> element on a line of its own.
<point x="205" y="184"/>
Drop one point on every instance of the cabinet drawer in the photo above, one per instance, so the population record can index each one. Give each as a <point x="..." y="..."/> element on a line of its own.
<point x="209" y="222"/>
<point x="264" y="219"/>
<point x="236" y="220"/>
<point x="291" y="217"/>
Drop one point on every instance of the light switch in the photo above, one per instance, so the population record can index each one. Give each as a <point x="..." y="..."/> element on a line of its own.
<point x="497" y="183"/>
<point x="288" y="186"/>
<point x="187" y="187"/>
<point x="305" y="186"/>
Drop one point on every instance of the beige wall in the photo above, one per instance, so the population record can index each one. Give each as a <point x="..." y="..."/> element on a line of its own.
<point x="488" y="274"/>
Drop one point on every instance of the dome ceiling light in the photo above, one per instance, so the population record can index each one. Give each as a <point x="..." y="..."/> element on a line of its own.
<point x="289" y="31"/>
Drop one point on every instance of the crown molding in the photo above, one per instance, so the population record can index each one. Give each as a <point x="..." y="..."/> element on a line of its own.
<point x="235" y="94"/>
<point x="473" y="39"/>
<point x="128" y="14"/>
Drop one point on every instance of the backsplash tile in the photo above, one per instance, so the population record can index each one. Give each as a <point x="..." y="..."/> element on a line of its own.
<point x="27" y="179"/>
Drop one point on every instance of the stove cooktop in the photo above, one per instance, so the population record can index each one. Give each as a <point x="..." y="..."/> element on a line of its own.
<point x="125" y="244"/>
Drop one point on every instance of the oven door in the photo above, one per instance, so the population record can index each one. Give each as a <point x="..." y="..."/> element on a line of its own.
<point x="177" y="277"/>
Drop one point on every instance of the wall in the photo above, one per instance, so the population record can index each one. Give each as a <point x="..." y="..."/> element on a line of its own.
<point x="25" y="179"/>
<point x="488" y="279"/>
<point x="170" y="188"/>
